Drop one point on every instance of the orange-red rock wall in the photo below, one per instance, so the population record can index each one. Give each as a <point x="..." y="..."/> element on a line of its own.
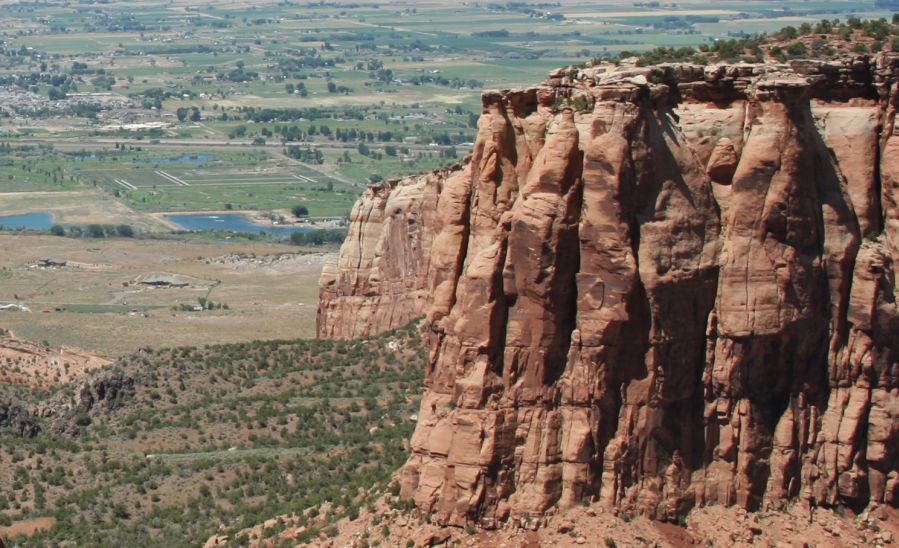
<point x="378" y="282"/>
<point x="656" y="287"/>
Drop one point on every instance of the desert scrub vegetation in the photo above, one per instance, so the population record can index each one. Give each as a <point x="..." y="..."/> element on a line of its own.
<point x="822" y="39"/>
<point x="219" y="438"/>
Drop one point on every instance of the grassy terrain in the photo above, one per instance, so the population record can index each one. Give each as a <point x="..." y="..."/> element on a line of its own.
<point x="211" y="180"/>
<point x="215" y="439"/>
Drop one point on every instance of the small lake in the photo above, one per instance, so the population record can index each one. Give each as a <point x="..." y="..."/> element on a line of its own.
<point x="187" y="159"/>
<point x="231" y="222"/>
<point x="30" y="221"/>
<point x="228" y="222"/>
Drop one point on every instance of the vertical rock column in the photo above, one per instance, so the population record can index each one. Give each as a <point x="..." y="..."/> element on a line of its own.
<point x="381" y="277"/>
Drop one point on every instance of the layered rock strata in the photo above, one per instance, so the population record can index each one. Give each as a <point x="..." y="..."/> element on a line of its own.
<point x="654" y="287"/>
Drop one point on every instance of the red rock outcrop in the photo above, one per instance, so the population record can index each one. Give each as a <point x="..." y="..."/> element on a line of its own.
<point x="379" y="280"/>
<point x="657" y="287"/>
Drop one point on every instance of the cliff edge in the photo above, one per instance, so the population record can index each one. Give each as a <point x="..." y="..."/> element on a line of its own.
<point x="657" y="287"/>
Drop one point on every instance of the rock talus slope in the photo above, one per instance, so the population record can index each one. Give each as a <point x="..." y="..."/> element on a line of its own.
<point x="657" y="287"/>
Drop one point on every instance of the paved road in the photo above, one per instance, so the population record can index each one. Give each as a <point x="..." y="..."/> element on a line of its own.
<point x="229" y="454"/>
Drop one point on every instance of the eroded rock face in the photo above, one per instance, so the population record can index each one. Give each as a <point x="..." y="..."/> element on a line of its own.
<point x="380" y="278"/>
<point x="18" y="420"/>
<point x="676" y="289"/>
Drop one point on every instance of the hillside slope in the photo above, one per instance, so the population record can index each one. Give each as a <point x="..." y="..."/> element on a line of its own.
<point x="169" y="447"/>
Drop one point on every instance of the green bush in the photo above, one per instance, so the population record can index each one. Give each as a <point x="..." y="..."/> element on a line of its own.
<point x="125" y="231"/>
<point x="96" y="231"/>
<point x="797" y="49"/>
<point x="319" y="237"/>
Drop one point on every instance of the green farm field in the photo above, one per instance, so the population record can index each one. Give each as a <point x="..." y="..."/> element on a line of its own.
<point x="214" y="181"/>
<point x="299" y="103"/>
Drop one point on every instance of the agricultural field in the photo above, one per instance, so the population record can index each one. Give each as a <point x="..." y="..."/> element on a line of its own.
<point x="212" y="180"/>
<point x="186" y="106"/>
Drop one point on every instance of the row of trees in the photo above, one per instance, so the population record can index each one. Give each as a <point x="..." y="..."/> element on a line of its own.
<point x="878" y="29"/>
<point x="750" y="49"/>
<point x="192" y="113"/>
<point x="319" y="237"/>
<point x="94" y="231"/>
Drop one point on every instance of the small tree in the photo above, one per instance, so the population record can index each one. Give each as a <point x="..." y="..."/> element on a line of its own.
<point x="96" y="231"/>
<point x="125" y="231"/>
<point x="57" y="230"/>
<point x="300" y="211"/>
<point x="55" y="94"/>
<point x="238" y="131"/>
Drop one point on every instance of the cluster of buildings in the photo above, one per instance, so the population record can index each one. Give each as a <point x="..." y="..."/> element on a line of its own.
<point x="18" y="102"/>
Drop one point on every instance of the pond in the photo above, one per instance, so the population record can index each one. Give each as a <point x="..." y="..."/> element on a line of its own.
<point x="30" y="221"/>
<point x="231" y="222"/>
<point x="196" y="159"/>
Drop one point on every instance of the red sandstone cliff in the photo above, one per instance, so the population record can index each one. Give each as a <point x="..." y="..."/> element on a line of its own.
<point x="378" y="282"/>
<point x="661" y="287"/>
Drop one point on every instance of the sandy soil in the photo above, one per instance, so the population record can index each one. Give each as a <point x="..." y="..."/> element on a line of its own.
<point x="27" y="527"/>
<point x="31" y="364"/>
<point x="97" y="302"/>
